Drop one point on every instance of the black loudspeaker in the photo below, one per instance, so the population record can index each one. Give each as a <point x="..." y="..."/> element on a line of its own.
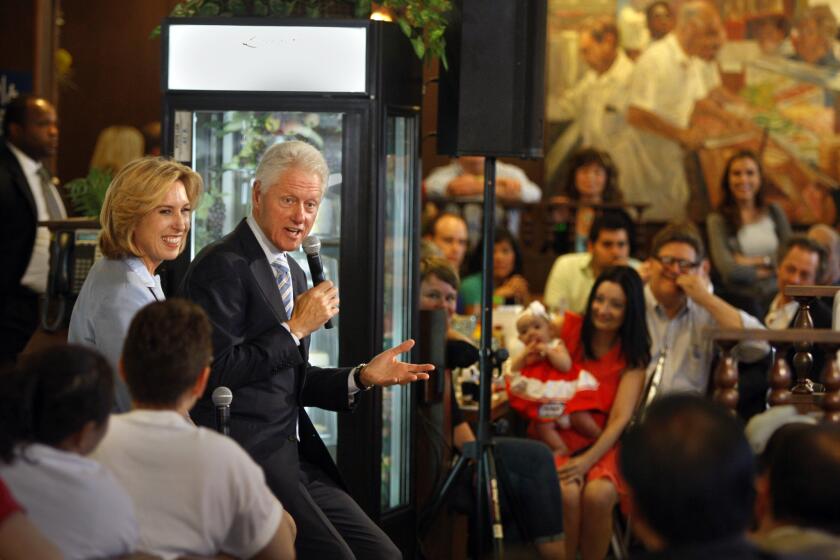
<point x="491" y="100"/>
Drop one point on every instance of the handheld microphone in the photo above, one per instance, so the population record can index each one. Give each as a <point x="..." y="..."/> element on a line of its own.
<point x="222" y="397"/>
<point x="312" y="248"/>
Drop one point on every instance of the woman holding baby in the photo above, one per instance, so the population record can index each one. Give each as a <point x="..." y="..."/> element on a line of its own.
<point x="610" y="344"/>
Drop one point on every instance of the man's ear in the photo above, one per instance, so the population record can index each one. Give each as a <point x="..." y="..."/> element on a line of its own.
<point x="706" y="267"/>
<point x="201" y="382"/>
<point x="588" y="246"/>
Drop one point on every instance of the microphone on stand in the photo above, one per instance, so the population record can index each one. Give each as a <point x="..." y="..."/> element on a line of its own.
<point x="312" y="248"/>
<point x="222" y="397"/>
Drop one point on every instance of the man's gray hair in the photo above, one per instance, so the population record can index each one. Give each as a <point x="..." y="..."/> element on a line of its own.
<point x="287" y="155"/>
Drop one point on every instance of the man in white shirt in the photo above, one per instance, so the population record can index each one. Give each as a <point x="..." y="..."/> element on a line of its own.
<point x="672" y="77"/>
<point x="27" y="196"/>
<point x="681" y="308"/>
<point x="196" y="492"/>
<point x="463" y="180"/>
<point x="572" y="276"/>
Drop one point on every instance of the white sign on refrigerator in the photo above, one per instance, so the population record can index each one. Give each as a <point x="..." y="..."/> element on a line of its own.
<point x="267" y="58"/>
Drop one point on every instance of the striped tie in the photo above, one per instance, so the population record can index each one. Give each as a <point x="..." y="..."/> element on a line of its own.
<point x="284" y="283"/>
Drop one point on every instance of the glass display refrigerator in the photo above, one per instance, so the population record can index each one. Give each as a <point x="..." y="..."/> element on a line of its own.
<point x="352" y="88"/>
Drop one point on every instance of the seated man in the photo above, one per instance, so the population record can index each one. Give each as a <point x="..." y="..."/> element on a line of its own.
<point x="801" y="263"/>
<point x="448" y="233"/>
<point x="799" y="512"/>
<point x="195" y="492"/>
<point x="572" y="276"/>
<point x="681" y="308"/>
<point x="690" y="472"/>
<point x="463" y="178"/>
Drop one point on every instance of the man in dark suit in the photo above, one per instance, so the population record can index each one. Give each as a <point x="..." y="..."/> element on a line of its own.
<point x="802" y="262"/>
<point x="30" y="131"/>
<point x="262" y="315"/>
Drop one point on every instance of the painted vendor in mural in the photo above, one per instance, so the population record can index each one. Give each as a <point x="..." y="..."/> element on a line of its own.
<point x="707" y="89"/>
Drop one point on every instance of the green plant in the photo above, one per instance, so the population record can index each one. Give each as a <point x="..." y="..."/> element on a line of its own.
<point x="422" y="21"/>
<point x="88" y="193"/>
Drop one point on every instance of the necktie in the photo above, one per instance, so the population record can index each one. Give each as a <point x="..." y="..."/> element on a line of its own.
<point x="284" y="284"/>
<point x="55" y="208"/>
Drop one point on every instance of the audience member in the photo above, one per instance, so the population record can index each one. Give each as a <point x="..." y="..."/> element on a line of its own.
<point x="463" y="180"/>
<point x="528" y="475"/>
<point x="572" y="276"/>
<point x="828" y="237"/>
<point x="672" y="77"/>
<point x="690" y="473"/>
<point x="54" y="413"/>
<point x="449" y="233"/>
<point x="798" y="499"/>
<point x="262" y="314"/>
<point x="196" y="492"/>
<point x="509" y="286"/>
<point x="660" y="19"/>
<point x="592" y="180"/>
<point x="145" y="220"/>
<point x="464" y="177"/>
<point x="681" y="308"/>
<point x="151" y="138"/>
<point x="27" y="196"/>
<point x="745" y="235"/>
<point x="115" y="147"/>
<point x="611" y="342"/>
<point x="19" y="538"/>
<point x="801" y="262"/>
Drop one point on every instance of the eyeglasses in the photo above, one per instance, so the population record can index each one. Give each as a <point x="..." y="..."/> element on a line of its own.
<point x="684" y="265"/>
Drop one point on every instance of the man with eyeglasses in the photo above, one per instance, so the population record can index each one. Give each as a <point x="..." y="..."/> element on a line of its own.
<point x="681" y="307"/>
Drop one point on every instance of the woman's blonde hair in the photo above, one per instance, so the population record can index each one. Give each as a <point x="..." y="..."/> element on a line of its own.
<point x="116" y="146"/>
<point x="136" y="190"/>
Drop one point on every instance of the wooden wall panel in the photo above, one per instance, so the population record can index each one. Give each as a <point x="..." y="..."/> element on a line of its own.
<point x="116" y="73"/>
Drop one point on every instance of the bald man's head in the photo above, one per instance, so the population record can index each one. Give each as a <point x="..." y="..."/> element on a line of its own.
<point x="699" y="29"/>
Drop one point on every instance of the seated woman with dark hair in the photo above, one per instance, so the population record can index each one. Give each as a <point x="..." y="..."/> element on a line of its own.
<point x="612" y="343"/>
<point x="55" y="412"/>
<point x="509" y="286"/>
<point x="592" y="180"/>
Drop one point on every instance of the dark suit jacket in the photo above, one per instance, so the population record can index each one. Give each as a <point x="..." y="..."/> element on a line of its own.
<point x="257" y="358"/>
<point x="18" y="222"/>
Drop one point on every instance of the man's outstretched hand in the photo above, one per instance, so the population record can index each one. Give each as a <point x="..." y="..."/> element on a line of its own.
<point x="385" y="369"/>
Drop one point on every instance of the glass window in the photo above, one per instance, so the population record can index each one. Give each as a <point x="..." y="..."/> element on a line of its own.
<point x="399" y="217"/>
<point x="226" y="148"/>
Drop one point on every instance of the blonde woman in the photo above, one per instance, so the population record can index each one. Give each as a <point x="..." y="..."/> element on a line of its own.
<point x="145" y="220"/>
<point x="116" y="146"/>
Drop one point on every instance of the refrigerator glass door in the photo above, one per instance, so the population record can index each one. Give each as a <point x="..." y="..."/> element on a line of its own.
<point x="226" y="146"/>
<point x="398" y="265"/>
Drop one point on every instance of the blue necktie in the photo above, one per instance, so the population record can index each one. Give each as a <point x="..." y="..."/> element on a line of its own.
<point x="284" y="283"/>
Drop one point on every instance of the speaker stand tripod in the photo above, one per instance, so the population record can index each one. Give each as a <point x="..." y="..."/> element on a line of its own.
<point x="488" y="508"/>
